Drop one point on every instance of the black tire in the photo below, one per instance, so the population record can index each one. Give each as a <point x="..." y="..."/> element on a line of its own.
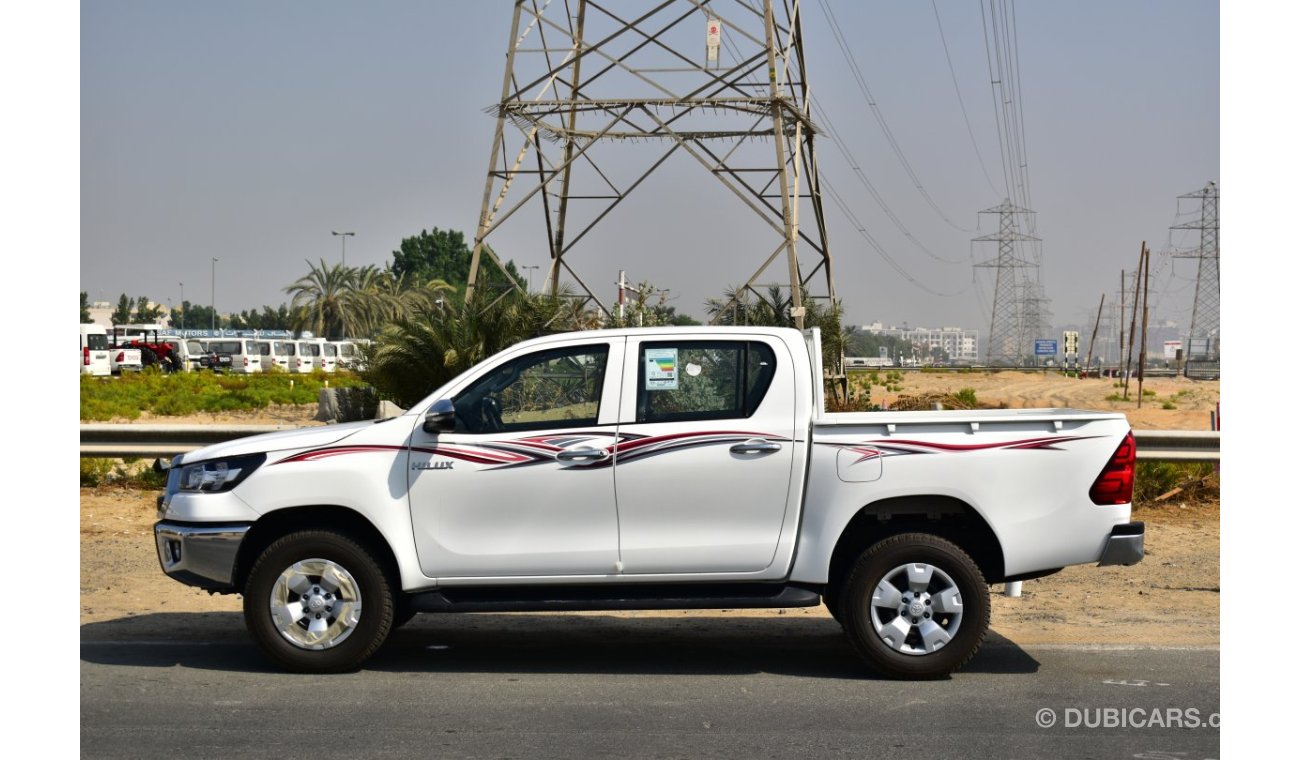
<point x="956" y="620"/>
<point x="831" y="598"/>
<point x="350" y="639"/>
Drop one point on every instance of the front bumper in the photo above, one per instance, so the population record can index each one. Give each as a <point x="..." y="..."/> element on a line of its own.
<point x="1124" y="546"/>
<point x="200" y="555"/>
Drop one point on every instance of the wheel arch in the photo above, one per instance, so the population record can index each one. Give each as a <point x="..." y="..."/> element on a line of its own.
<point x="281" y="522"/>
<point x="944" y="516"/>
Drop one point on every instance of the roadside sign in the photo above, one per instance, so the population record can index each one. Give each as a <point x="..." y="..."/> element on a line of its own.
<point x="1071" y="340"/>
<point x="1043" y="347"/>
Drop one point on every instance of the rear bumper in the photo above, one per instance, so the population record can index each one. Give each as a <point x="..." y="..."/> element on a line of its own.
<point x="1124" y="546"/>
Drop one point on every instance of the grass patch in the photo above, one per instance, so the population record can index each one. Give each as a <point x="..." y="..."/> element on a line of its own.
<point x="125" y="397"/>
<point x="967" y="396"/>
<point x="130" y="473"/>
<point x="1198" y="481"/>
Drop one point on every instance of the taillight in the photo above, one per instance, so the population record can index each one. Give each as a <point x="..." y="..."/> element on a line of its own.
<point x="121" y="356"/>
<point x="85" y="356"/>
<point x="1115" y="483"/>
<point x="245" y="361"/>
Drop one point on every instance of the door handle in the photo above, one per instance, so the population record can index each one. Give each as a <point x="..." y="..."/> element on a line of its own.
<point x="755" y="446"/>
<point x="585" y="454"/>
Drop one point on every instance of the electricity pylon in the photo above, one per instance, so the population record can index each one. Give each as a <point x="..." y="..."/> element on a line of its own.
<point x="1009" y="342"/>
<point x="582" y="84"/>
<point x="1203" y="337"/>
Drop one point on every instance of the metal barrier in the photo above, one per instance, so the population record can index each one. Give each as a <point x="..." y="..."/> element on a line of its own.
<point x="168" y="440"/>
<point x="1177" y="445"/>
<point x="146" y="441"/>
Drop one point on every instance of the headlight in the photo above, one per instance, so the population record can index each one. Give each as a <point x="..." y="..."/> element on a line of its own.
<point x="217" y="474"/>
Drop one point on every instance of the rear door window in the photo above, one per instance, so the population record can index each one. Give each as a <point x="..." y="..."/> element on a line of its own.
<point x="702" y="380"/>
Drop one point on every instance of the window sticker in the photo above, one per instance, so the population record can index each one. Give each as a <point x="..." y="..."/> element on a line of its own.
<point x="661" y="369"/>
<point x="693" y="369"/>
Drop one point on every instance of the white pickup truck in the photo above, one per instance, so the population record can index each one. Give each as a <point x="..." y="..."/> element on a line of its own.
<point x="649" y="469"/>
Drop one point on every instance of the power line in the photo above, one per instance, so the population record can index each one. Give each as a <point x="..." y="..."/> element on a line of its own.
<point x="875" y="245"/>
<point x="964" y="115"/>
<point x="861" y="81"/>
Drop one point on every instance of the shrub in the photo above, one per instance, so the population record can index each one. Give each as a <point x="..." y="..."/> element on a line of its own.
<point x="95" y="471"/>
<point x="967" y="396"/>
<point x="1153" y="479"/>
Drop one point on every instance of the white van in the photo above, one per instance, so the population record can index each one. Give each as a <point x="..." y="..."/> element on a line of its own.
<point x="350" y="357"/>
<point x="94" y="350"/>
<point x="190" y="353"/>
<point x="245" y="353"/>
<point x="284" y="354"/>
<point x="317" y="354"/>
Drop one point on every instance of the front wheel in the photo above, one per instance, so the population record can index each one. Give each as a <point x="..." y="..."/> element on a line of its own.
<point x="318" y="602"/>
<point x="915" y="606"/>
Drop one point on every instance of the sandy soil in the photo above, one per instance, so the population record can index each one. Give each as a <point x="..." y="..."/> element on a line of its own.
<point x="1171" y="598"/>
<point x="1193" y="400"/>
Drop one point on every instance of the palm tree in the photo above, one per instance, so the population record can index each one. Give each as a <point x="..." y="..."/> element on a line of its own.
<point x="414" y="355"/>
<point x="324" y="300"/>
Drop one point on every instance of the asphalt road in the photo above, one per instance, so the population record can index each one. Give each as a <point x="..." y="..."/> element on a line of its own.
<point x="514" y="686"/>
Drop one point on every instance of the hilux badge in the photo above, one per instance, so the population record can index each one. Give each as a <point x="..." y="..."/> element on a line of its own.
<point x="443" y="465"/>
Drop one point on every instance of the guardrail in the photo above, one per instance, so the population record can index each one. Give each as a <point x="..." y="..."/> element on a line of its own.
<point x="1177" y="445"/>
<point x="146" y="441"/>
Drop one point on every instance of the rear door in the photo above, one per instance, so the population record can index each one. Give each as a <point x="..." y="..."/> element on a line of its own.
<point x="705" y="454"/>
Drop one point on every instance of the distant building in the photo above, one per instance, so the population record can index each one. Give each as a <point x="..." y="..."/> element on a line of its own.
<point x="960" y="345"/>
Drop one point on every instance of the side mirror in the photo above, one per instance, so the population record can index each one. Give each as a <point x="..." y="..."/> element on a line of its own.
<point x="441" y="417"/>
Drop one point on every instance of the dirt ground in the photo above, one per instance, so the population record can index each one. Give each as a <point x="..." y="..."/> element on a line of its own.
<point x="1192" y="400"/>
<point x="1169" y="599"/>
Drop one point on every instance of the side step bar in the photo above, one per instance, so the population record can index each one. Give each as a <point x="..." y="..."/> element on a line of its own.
<point x="606" y="597"/>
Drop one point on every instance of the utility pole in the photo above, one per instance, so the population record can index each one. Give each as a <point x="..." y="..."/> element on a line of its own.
<point x="1146" y="313"/>
<point x="1095" y="326"/>
<point x="344" y="237"/>
<point x="1132" y="328"/>
<point x="581" y="84"/>
<point x="182" y="306"/>
<point x="214" y="295"/>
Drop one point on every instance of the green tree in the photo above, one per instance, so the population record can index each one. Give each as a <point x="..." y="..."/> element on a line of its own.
<point x="146" y="313"/>
<point x="122" y="314"/>
<point x="444" y="255"/>
<point x="269" y="318"/>
<point x="415" y="355"/>
<point x="324" y="302"/>
<point x="647" y="306"/>
<point x="85" y="308"/>
<point x="193" y="316"/>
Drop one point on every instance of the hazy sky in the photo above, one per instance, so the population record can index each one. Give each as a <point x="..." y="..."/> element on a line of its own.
<point x="249" y="130"/>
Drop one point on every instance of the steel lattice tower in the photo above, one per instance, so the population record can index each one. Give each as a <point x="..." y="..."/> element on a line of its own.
<point x="1008" y="340"/>
<point x="584" y="85"/>
<point x="1203" y="337"/>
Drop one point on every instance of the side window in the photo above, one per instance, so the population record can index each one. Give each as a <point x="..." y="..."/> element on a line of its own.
<point x="547" y="389"/>
<point x="702" y="380"/>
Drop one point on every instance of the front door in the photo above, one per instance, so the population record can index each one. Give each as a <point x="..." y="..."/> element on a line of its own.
<point x="524" y="486"/>
<point x="705" y="455"/>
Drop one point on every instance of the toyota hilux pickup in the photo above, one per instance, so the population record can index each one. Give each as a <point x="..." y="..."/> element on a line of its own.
<point x="668" y="468"/>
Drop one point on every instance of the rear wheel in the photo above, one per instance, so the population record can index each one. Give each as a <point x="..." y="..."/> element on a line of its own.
<point x="915" y="606"/>
<point x="318" y="602"/>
